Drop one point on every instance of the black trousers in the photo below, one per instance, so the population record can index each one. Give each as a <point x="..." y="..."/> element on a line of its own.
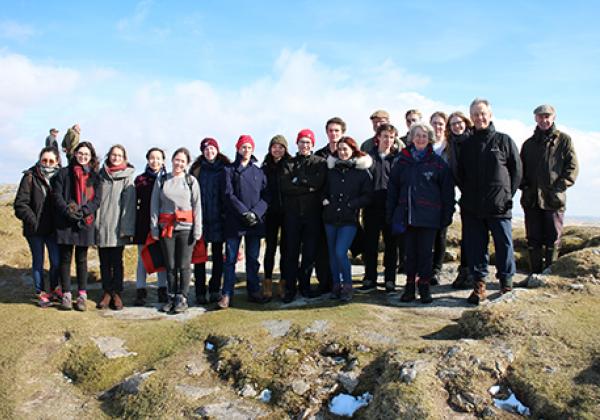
<point x="177" y="252"/>
<point x="419" y="251"/>
<point x="214" y="284"/>
<point x="111" y="268"/>
<point x="302" y="233"/>
<point x="275" y="234"/>
<point x="322" y="265"/>
<point x="374" y="227"/>
<point x="439" y="249"/>
<point x="543" y="227"/>
<point x="66" y="256"/>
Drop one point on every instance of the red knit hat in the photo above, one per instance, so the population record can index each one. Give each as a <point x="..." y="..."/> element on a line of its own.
<point x="244" y="138"/>
<point x="208" y="141"/>
<point x="306" y="133"/>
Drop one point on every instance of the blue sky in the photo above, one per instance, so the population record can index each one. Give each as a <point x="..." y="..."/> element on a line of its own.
<point x="173" y="72"/>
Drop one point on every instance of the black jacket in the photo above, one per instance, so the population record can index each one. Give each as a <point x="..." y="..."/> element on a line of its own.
<point x="380" y="170"/>
<point x="549" y="168"/>
<point x="489" y="173"/>
<point x="33" y="204"/>
<point x="455" y="143"/>
<point x="273" y="171"/>
<point x="420" y="192"/>
<point x="69" y="231"/>
<point x="349" y="188"/>
<point x="302" y="182"/>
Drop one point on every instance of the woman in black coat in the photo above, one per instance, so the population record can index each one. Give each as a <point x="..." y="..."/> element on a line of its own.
<point x="209" y="170"/>
<point x="33" y="206"/>
<point x="77" y="194"/>
<point x="273" y="167"/>
<point x="348" y="189"/>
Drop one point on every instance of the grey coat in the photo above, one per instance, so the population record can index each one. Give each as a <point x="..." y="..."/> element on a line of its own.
<point x="115" y="218"/>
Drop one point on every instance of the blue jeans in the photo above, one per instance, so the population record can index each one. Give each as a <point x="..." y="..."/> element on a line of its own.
<point x="252" y="248"/>
<point x="36" y="245"/>
<point x="339" y="239"/>
<point x="141" y="274"/>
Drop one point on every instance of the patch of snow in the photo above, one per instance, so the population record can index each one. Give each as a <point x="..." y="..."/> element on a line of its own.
<point x="346" y="405"/>
<point x="265" y="395"/>
<point x="512" y="405"/>
<point x="494" y="389"/>
<point x="209" y="346"/>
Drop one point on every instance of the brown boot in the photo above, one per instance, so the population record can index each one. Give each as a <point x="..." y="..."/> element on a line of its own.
<point x="267" y="291"/>
<point x="281" y="288"/>
<point x="478" y="294"/>
<point x="105" y="301"/>
<point x="117" y="302"/>
<point x="224" y="302"/>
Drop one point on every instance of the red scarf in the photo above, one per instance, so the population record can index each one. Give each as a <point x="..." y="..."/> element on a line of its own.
<point x="113" y="169"/>
<point x="83" y="192"/>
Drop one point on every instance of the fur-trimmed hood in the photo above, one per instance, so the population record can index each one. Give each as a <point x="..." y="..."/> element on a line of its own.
<point x="361" y="162"/>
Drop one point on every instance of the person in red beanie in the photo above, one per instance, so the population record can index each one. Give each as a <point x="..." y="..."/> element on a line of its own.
<point x="302" y="181"/>
<point x="246" y="202"/>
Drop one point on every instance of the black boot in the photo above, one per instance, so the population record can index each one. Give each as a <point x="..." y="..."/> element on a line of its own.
<point x="463" y="280"/>
<point x="409" y="290"/>
<point x="140" y="297"/>
<point x="424" y="291"/>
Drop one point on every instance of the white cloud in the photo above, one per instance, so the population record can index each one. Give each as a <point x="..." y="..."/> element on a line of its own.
<point x="301" y="92"/>
<point x="16" y="31"/>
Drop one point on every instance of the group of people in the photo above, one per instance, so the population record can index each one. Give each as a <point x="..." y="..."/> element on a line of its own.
<point x="315" y="207"/>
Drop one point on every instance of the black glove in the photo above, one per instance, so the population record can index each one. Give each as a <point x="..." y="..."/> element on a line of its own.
<point x="74" y="212"/>
<point x="250" y="219"/>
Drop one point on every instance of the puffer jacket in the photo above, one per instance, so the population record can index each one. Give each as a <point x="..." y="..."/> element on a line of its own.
<point x="210" y="176"/>
<point x="489" y="173"/>
<point x="420" y="192"/>
<point x="115" y="218"/>
<point x="302" y="182"/>
<point x="549" y="168"/>
<point x="33" y="204"/>
<point x="68" y="231"/>
<point x="349" y="188"/>
<point x="245" y="189"/>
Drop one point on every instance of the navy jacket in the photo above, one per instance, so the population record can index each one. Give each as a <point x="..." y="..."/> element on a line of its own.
<point x="420" y="192"/>
<point x="489" y="173"/>
<point x="210" y="176"/>
<point x="69" y="232"/>
<point x="245" y="190"/>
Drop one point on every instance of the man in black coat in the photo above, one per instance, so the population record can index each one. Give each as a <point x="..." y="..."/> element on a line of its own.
<point x="489" y="173"/>
<point x="302" y="181"/>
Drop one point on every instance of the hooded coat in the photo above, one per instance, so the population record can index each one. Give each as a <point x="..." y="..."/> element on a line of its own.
<point x="69" y="231"/>
<point x="245" y="189"/>
<point x="349" y="188"/>
<point x="33" y="204"/>
<point x="420" y="192"/>
<point x="115" y="218"/>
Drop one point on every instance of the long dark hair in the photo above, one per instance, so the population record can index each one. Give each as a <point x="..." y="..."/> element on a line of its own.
<point x="52" y="150"/>
<point x="93" y="159"/>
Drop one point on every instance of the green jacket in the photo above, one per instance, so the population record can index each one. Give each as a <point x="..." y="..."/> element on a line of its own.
<point x="70" y="142"/>
<point x="549" y="168"/>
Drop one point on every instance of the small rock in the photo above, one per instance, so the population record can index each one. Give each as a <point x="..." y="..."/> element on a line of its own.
<point x="265" y="395"/>
<point x="318" y="326"/>
<point x="195" y="368"/>
<point x="450" y="255"/>
<point x="451" y="352"/>
<point x="332" y="349"/>
<point x="300" y="387"/>
<point x="361" y="348"/>
<point x="290" y="353"/>
<point x="349" y="380"/>
<point x="549" y="369"/>
<point x="461" y="403"/>
<point x="409" y="370"/>
<point x="577" y="286"/>
<point x="112" y="347"/>
<point x="536" y="280"/>
<point x="194" y="392"/>
<point x="277" y="328"/>
<point x="488" y="412"/>
<point x="231" y="411"/>
<point x="131" y="385"/>
<point x="248" y="391"/>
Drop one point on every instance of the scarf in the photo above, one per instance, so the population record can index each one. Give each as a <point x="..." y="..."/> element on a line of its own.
<point x="152" y="174"/>
<point x="48" y="172"/>
<point x="417" y="154"/>
<point x="83" y="192"/>
<point x="115" y="168"/>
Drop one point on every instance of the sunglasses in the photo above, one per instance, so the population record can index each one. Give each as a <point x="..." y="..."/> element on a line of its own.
<point x="48" y="161"/>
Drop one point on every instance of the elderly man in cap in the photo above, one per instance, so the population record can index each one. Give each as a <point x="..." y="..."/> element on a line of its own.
<point x="489" y="173"/>
<point x="52" y="139"/>
<point x="549" y="168"/>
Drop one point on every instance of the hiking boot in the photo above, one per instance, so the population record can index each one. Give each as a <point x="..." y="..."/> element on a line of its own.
<point x="56" y="295"/>
<point x="257" y="297"/>
<point x="346" y="292"/>
<point x="44" y="300"/>
<point x="214" y="297"/>
<point x="367" y="286"/>
<point x="168" y="307"/>
<point x="463" y="280"/>
<point x="390" y="286"/>
<point x="66" y="302"/>
<point x="267" y="288"/>
<point x="478" y="294"/>
<point x="435" y="278"/>
<point x="180" y="305"/>
<point x="163" y="296"/>
<point x="281" y="288"/>
<point x="224" y="302"/>
<point x="336" y="291"/>
<point x="288" y="297"/>
<point x="409" y="290"/>
<point x="506" y="285"/>
<point x="424" y="291"/>
<point x="81" y="302"/>
<point x="140" y="297"/>
<point x="105" y="301"/>
<point x="117" y="301"/>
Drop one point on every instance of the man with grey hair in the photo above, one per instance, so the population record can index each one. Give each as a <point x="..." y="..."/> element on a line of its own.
<point x="489" y="172"/>
<point x="549" y="168"/>
<point x="51" y="140"/>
